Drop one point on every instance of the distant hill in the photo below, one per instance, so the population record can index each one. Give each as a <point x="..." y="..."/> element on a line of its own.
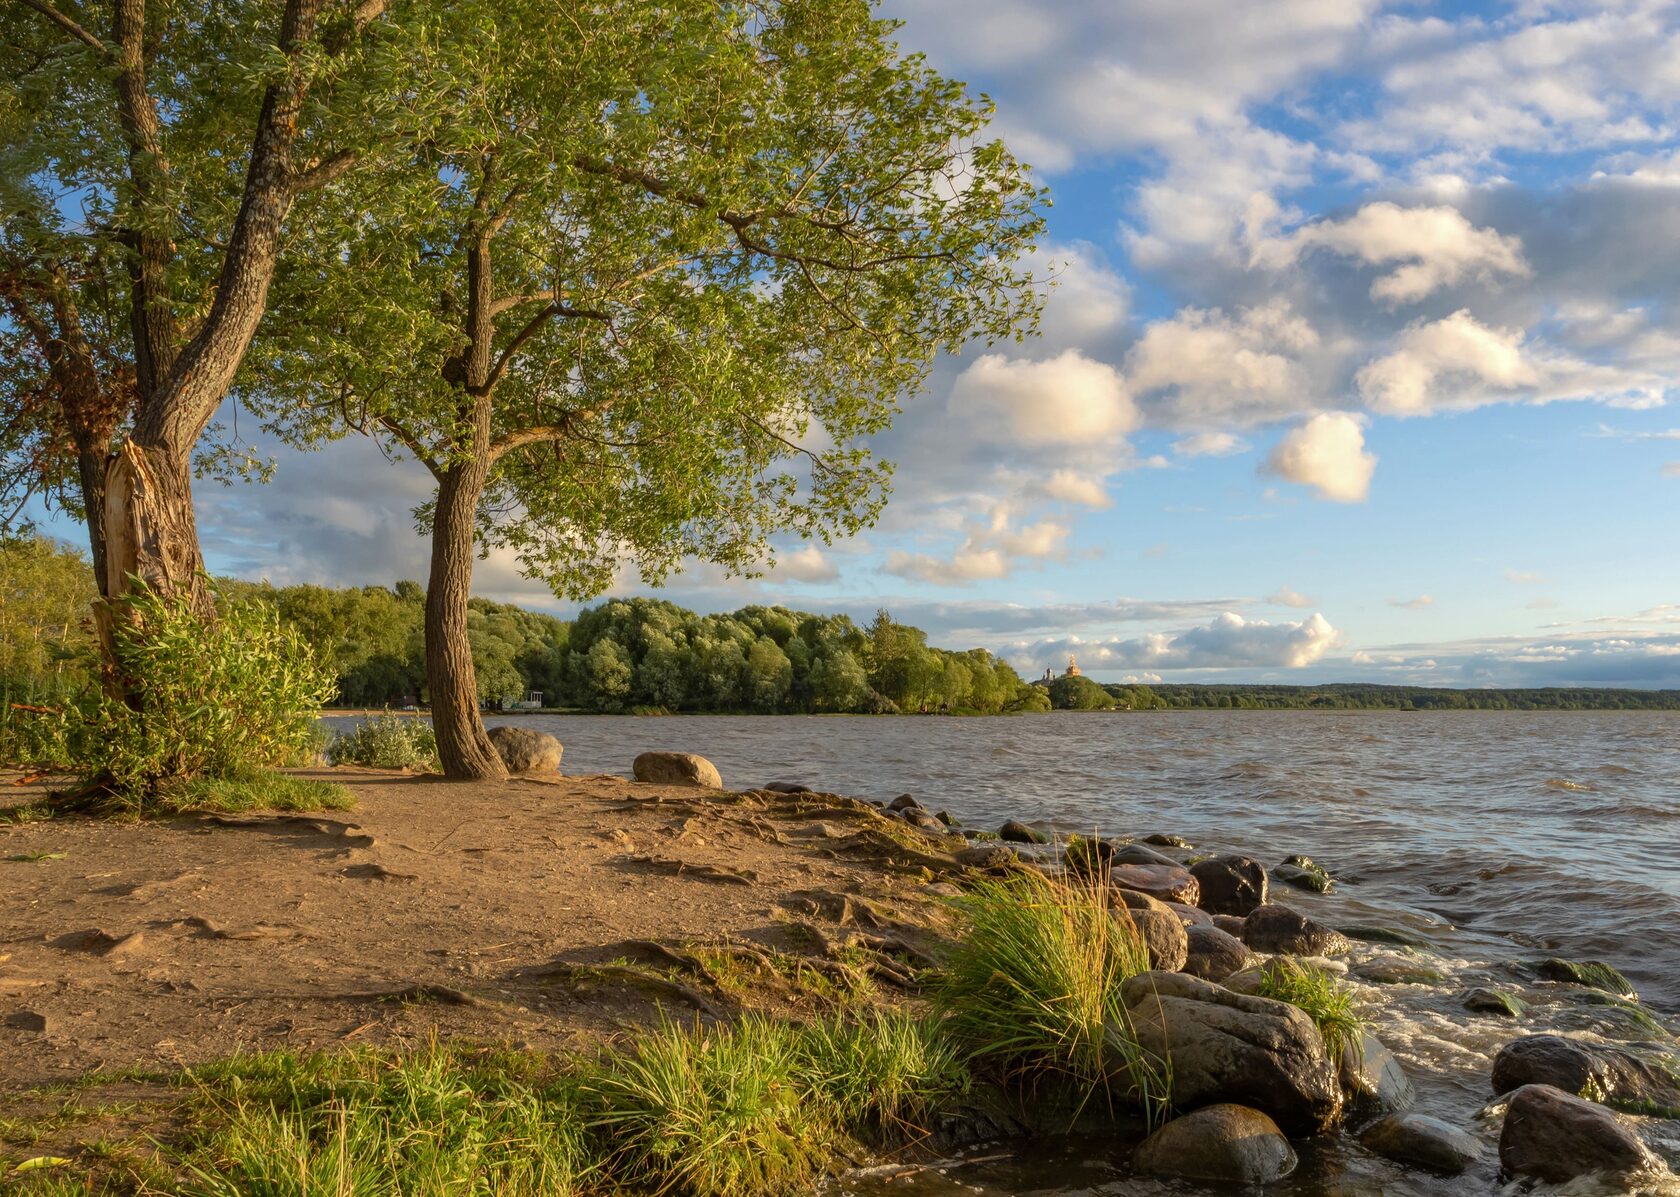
<point x="1369" y="696"/>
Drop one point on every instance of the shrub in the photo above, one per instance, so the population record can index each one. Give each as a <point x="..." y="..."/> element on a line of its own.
<point x="387" y="742"/>
<point x="215" y="700"/>
<point x="1323" y="998"/>
<point x="1032" y="988"/>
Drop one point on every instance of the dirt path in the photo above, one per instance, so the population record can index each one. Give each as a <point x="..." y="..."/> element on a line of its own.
<point x="477" y="910"/>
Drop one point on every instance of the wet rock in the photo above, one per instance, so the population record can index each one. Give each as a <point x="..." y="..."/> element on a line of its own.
<point x="1190" y="916"/>
<point x="677" y="768"/>
<point x="29" y="1020"/>
<point x="1231" y="1046"/>
<point x="1398" y="970"/>
<point x="1303" y="872"/>
<point x="1283" y="931"/>
<point x="1169" y="883"/>
<point x="1423" y="1141"/>
<point x="986" y="856"/>
<point x="1231" y="924"/>
<point x="1486" y="1000"/>
<point x="947" y="818"/>
<point x="1231" y="884"/>
<point x="1016" y="832"/>
<point x="526" y="751"/>
<point x="1142" y="855"/>
<point x="1224" y="1143"/>
<point x="1167" y="841"/>
<point x="1212" y="954"/>
<point x="1162" y="932"/>
<point x="1594" y="974"/>
<point x="1398" y="936"/>
<point x="1620" y="1017"/>
<point x="1605" y="1074"/>
<point x="903" y="802"/>
<point x="1552" y="1136"/>
<point x="1372" y="1078"/>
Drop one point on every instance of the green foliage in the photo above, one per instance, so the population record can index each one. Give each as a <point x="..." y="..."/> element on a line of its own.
<point x="253" y="790"/>
<point x="1329" y="1003"/>
<point x="387" y="742"/>
<point x="45" y="589"/>
<point x="1032" y="988"/>
<point x="881" y="1073"/>
<point x="1369" y="696"/>
<point x="434" y="1123"/>
<point x="1079" y="694"/>
<point x="209" y="701"/>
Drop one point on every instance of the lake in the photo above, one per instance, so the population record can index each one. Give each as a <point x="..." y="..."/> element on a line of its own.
<point x="1498" y="836"/>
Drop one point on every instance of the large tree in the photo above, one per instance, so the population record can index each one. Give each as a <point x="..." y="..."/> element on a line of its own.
<point x="152" y="155"/>
<point x="648" y="291"/>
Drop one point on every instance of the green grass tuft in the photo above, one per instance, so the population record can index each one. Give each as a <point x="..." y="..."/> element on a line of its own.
<point x="388" y="742"/>
<point x="1324" y="999"/>
<point x="1032" y="989"/>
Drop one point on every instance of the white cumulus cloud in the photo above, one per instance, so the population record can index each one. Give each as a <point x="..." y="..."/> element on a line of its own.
<point x="1065" y="400"/>
<point x="806" y="565"/>
<point x="1229" y="641"/>
<point x="1429" y="247"/>
<point x="1328" y="454"/>
<point x="1204" y="367"/>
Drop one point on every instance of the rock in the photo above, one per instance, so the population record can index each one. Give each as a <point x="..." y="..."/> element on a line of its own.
<point x="1551" y="1136"/>
<point x="1223" y="1143"/>
<point x="947" y="818"/>
<point x="1139" y="854"/>
<point x="677" y="768"/>
<point x="1604" y="1074"/>
<point x="1190" y="916"/>
<point x="29" y="1020"/>
<point x="1212" y="954"/>
<point x="1484" y="1000"/>
<point x="1087" y="855"/>
<point x="1231" y="924"/>
<point x="1397" y="936"/>
<point x="1398" y="970"/>
<point x="1594" y="974"/>
<point x="1372" y="1078"/>
<point x="917" y="817"/>
<point x="1167" y="841"/>
<point x="1281" y="930"/>
<point x="1230" y="884"/>
<point x="1424" y="1141"/>
<point x="526" y="751"/>
<point x="1303" y="873"/>
<point x="1160" y="929"/>
<point x="903" y="802"/>
<point x="1169" y="883"/>
<point x="1015" y="832"/>
<point x="1231" y="1046"/>
<point x="787" y="787"/>
<point x="942" y="889"/>
<point x="986" y="856"/>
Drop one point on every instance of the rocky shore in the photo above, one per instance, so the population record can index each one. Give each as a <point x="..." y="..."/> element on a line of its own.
<point x="554" y="913"/>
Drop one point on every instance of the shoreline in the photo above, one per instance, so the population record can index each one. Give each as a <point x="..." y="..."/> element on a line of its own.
<point x="480" y="889"/>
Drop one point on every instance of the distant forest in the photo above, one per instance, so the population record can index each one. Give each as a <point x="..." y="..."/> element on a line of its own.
<point x="649" y="655"/>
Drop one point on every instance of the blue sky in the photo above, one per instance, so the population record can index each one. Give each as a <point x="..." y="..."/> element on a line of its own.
<point x="1358" y="367"/>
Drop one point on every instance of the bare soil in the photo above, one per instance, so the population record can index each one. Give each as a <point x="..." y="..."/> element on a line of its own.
<point x="493" y="912"/>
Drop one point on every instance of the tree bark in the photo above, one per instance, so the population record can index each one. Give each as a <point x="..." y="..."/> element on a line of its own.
<point x="464" y="748"/>
<point x="151" y="530"/>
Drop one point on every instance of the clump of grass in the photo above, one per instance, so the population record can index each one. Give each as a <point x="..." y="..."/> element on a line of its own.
<point x="1032" y="989"/>
<point x="883" y="1073"/>
<point x="432" y="1123"/>
<point x="252" y="790"/>
<point x="1323" y="998"/>
<point x="708" y="1112"/>
<point x="387" y="742"/>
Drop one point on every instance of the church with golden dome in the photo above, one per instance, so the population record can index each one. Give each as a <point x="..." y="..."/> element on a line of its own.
<point x="1050" y="674"/>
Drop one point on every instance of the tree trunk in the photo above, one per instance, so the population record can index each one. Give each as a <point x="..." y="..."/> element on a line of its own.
<point x="463" y="747"/>
<point x="151" y="532"/>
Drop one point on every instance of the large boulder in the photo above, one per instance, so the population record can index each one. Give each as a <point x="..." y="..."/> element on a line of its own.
<point x="1140" y="854"/>
<point x="1225" y="1143"/>
<point x="1160" y="929"/>
<point x="1228" y="1046"/>
<point x="1372" y="1078"/>
<point x="1553" y="1136"/>
<point x="1212" y="954"/>
<point x="1282" y="931"/>
<point x="525" y="751"/>
<point x="1423" y="1141"/>
<point x="1169" y="883"/>
<point x="1610" y="1075"/>
<point x="1016" y="832"/>
<point x="1231" y="884"/>
<point x="677" y="768"/>
<point x="1191" y="916"/>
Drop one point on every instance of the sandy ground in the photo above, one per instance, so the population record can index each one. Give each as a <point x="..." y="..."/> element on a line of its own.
<point x="169" y="943"/>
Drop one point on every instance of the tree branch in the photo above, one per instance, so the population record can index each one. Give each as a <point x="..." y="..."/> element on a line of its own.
<point x="69" y="26"/>
<point x="532" y="327"/>
<point x="324" y="171"/>
<point x="538" y="434"/>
